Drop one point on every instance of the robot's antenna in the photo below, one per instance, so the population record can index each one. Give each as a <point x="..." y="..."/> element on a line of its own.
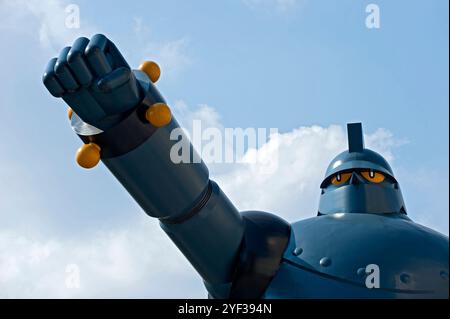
<point x="355" y="137"/>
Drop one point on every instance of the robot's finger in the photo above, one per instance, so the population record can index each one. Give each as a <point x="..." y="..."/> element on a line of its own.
<point x="95" y="53"/>
<point x="77" y="63"/>
<point x="114" y="79"/>
<point x="63" y="72"/>
<point x="116" y="57"/>
<point x="50" y="80"/>
<point x="85" y="106"/>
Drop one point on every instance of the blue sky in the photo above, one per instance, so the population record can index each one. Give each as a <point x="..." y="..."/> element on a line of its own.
<point x="243" y="63"/>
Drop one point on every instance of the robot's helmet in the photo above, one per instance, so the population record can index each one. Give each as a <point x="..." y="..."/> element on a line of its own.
<point x="360" y="181"/>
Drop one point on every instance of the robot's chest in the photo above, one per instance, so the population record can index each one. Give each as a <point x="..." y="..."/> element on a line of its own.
<point x="362" y="256"/>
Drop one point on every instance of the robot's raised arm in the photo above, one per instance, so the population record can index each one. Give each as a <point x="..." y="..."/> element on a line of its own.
<point x="125" y="122"/>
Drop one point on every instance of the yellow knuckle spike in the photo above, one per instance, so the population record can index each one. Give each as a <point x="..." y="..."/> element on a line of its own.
<point x="151" y="69"/>
<point x="88" y="155"/>
<point x="70" y="113"/>
<point x="158" y="114"/>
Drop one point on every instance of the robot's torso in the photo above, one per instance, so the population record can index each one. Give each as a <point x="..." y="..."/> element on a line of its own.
<point x="362" y="256"/>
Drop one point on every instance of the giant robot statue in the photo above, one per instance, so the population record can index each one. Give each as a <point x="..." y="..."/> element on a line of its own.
<point x="361" y="244"/>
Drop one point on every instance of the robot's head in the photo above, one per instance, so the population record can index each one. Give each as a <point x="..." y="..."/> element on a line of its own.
<point x="360" y="181"/>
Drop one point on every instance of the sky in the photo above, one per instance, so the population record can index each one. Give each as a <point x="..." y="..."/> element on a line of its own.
<point x="303" y="67"/>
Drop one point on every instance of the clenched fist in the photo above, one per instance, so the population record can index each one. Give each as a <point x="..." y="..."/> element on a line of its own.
<point x="94" y="79"/>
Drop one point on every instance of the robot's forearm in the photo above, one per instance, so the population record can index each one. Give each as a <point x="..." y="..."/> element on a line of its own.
<point x="192" y="210"/>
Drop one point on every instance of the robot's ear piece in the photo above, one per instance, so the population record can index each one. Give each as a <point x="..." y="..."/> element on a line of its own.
<point x="355" y="137"/>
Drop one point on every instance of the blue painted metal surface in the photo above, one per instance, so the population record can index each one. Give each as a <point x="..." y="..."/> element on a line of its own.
<point x="351" y="242"/>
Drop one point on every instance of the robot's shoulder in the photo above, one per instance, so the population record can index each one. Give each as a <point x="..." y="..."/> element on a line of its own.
<point x="333" y="256"/>
<point x="266" y="237"/>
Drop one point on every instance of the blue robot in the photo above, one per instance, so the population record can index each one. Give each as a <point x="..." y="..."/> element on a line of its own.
<point x="361" y="244"/>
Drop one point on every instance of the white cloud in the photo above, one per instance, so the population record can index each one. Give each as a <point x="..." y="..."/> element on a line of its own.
<point x="45" y="20"/>
<point x="205" y="113"/>
<point x="170" y="55"/>
<point x="133" y="260"/>
<point x="186" y="116"/>
<point x="292" y="190"/>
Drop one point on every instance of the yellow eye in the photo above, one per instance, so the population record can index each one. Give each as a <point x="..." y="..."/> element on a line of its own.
<point x="372" y="176"/>
<point x="340" y="178"/>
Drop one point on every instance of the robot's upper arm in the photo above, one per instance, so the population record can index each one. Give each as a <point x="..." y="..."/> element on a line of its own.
<point x="265" y="239"/>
